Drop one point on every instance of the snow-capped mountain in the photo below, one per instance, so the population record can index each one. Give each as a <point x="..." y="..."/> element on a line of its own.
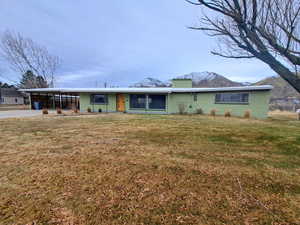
<point x="199" y="76"/>
<point x="200" y="79"/>
<point x="209" y="79"/>
<point x="247" y="83"/>
<point x="150" y="82"/>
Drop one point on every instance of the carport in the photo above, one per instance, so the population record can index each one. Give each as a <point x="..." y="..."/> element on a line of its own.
<point x="40" y="99"/>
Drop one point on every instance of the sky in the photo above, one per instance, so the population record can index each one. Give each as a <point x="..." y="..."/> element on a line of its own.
<point x="120" y="42"/>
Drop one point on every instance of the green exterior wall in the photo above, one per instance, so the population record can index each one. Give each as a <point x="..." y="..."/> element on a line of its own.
<point x="258" y="104"/>
<point x="85" y="103"/>
<point x="182" y="83"/>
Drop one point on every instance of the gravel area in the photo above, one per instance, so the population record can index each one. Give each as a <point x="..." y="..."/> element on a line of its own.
<point x="19" y="113"/>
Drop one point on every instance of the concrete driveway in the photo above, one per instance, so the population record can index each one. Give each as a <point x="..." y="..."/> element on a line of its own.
<point x="19" y="113"/>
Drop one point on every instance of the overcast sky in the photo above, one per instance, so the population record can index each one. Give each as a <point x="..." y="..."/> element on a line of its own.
<point x="121" y="42"/>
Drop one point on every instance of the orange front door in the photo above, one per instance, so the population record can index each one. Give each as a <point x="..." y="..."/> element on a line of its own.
<point x="120" y="103"/>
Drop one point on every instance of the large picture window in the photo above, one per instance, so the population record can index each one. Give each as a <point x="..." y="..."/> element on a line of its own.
<point x="99" y="99"/>
<point x="137" y="101"/>
<point x="232" y="98"/>
<point x="145" y="101"/>
<point x="157" y="102"/>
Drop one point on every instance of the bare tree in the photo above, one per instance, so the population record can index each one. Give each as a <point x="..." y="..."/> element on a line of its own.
<point x="264" y="29"/>
<point x="23" y="55"/>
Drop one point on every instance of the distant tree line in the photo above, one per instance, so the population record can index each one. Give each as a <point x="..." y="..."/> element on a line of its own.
<point x="5" y="85"/>
<point x="30" y="80"/>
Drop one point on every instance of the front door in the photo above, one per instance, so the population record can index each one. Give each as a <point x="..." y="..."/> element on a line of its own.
<point x="120" y="102"/>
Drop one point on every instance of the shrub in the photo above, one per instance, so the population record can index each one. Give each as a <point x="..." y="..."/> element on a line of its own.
<point x="247" y="114"/>
<point x="181" y="108"/>
<point x="58" y="111"/>
<point x="100" y="110"/>
<point x="199" y="111"/>
<point x="227" y="114"/>
<point x="89" y="110"/>
<point x="213" y="112"/>
<point x="45" y="111"/>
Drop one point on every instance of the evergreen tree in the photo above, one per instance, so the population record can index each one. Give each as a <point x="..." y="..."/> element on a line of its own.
<point x="30" y="80"/>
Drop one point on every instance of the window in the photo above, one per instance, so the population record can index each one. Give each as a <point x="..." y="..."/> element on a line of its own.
<point x="151" y="102"/>
<point x="157" y="102"/>
<point x="99" y="99"/>
<point x="235" y="98"/>
<point x="138" y="101"/>
<point x="195" y="97"/>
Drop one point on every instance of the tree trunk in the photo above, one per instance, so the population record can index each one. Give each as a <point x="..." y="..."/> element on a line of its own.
<point x="287" y="75"/>
<point x="292" y="78"/>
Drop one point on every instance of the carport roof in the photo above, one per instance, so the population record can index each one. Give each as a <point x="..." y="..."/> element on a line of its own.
<point x="146" y="90"/>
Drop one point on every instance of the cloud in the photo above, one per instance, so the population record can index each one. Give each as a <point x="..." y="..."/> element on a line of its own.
<point x="121" y="42"/>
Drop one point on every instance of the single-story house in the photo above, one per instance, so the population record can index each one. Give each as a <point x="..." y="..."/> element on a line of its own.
<point x="181" y="97"/>
<point x="11" y="96"/>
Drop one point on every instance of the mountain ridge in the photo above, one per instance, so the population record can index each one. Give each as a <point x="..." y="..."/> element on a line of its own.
<point x="211" y="79"/>
<point x="281" y="89"/>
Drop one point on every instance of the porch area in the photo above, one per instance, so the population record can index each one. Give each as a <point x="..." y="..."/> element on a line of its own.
<point x="42" y="100"/>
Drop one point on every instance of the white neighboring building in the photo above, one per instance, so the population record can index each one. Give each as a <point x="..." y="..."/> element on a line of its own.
<point x="11" y="96"/>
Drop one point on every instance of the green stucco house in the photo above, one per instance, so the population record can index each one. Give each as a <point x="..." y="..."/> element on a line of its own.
<point x="180" y="98"/>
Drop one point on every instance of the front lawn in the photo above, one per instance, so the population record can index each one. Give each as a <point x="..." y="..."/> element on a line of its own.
<point x="149" y="169"/>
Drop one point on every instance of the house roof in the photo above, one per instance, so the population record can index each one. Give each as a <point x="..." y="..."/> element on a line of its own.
<point x="146" y="90"/>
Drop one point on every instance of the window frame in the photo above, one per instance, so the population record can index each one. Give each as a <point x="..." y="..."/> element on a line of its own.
<point x="146" y="108"/>
<point x="134" y="108"/>
<point x="231" y="102"/>
<point x="92" y="99"/>
<point x="153" y="109"/>
<point x="195" y="97"/>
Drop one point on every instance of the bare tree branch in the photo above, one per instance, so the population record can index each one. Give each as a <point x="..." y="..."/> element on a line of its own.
<point x="267" y="30"/>
<point x="23" y="55"/>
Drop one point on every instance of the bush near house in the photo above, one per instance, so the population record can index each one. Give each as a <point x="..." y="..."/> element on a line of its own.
<point x="227" y="114"/>
<point x="59" y="111"/>
<point x="45" y="111"/>
<point x="247" y="114"/>
<point x="199" y="111"/>
<point x="182" y="109"/>
<point x="213" y="112"/>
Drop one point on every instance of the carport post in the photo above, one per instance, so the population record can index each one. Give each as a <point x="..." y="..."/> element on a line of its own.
<point x="53" y="100"/>
<point x="30" y="102"/>
<point x="60" y="101"/>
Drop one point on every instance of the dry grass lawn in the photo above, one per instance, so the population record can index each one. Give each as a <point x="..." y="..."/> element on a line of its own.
<point x="149" y="169"/>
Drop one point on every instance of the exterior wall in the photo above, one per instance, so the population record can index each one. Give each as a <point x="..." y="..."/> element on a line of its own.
<point x="12" y="100"/>
<point x="258" y="104"/>
<point x="112" y="105"/>
<point x="85" y="103"/>
<point x="182" y="83"/>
